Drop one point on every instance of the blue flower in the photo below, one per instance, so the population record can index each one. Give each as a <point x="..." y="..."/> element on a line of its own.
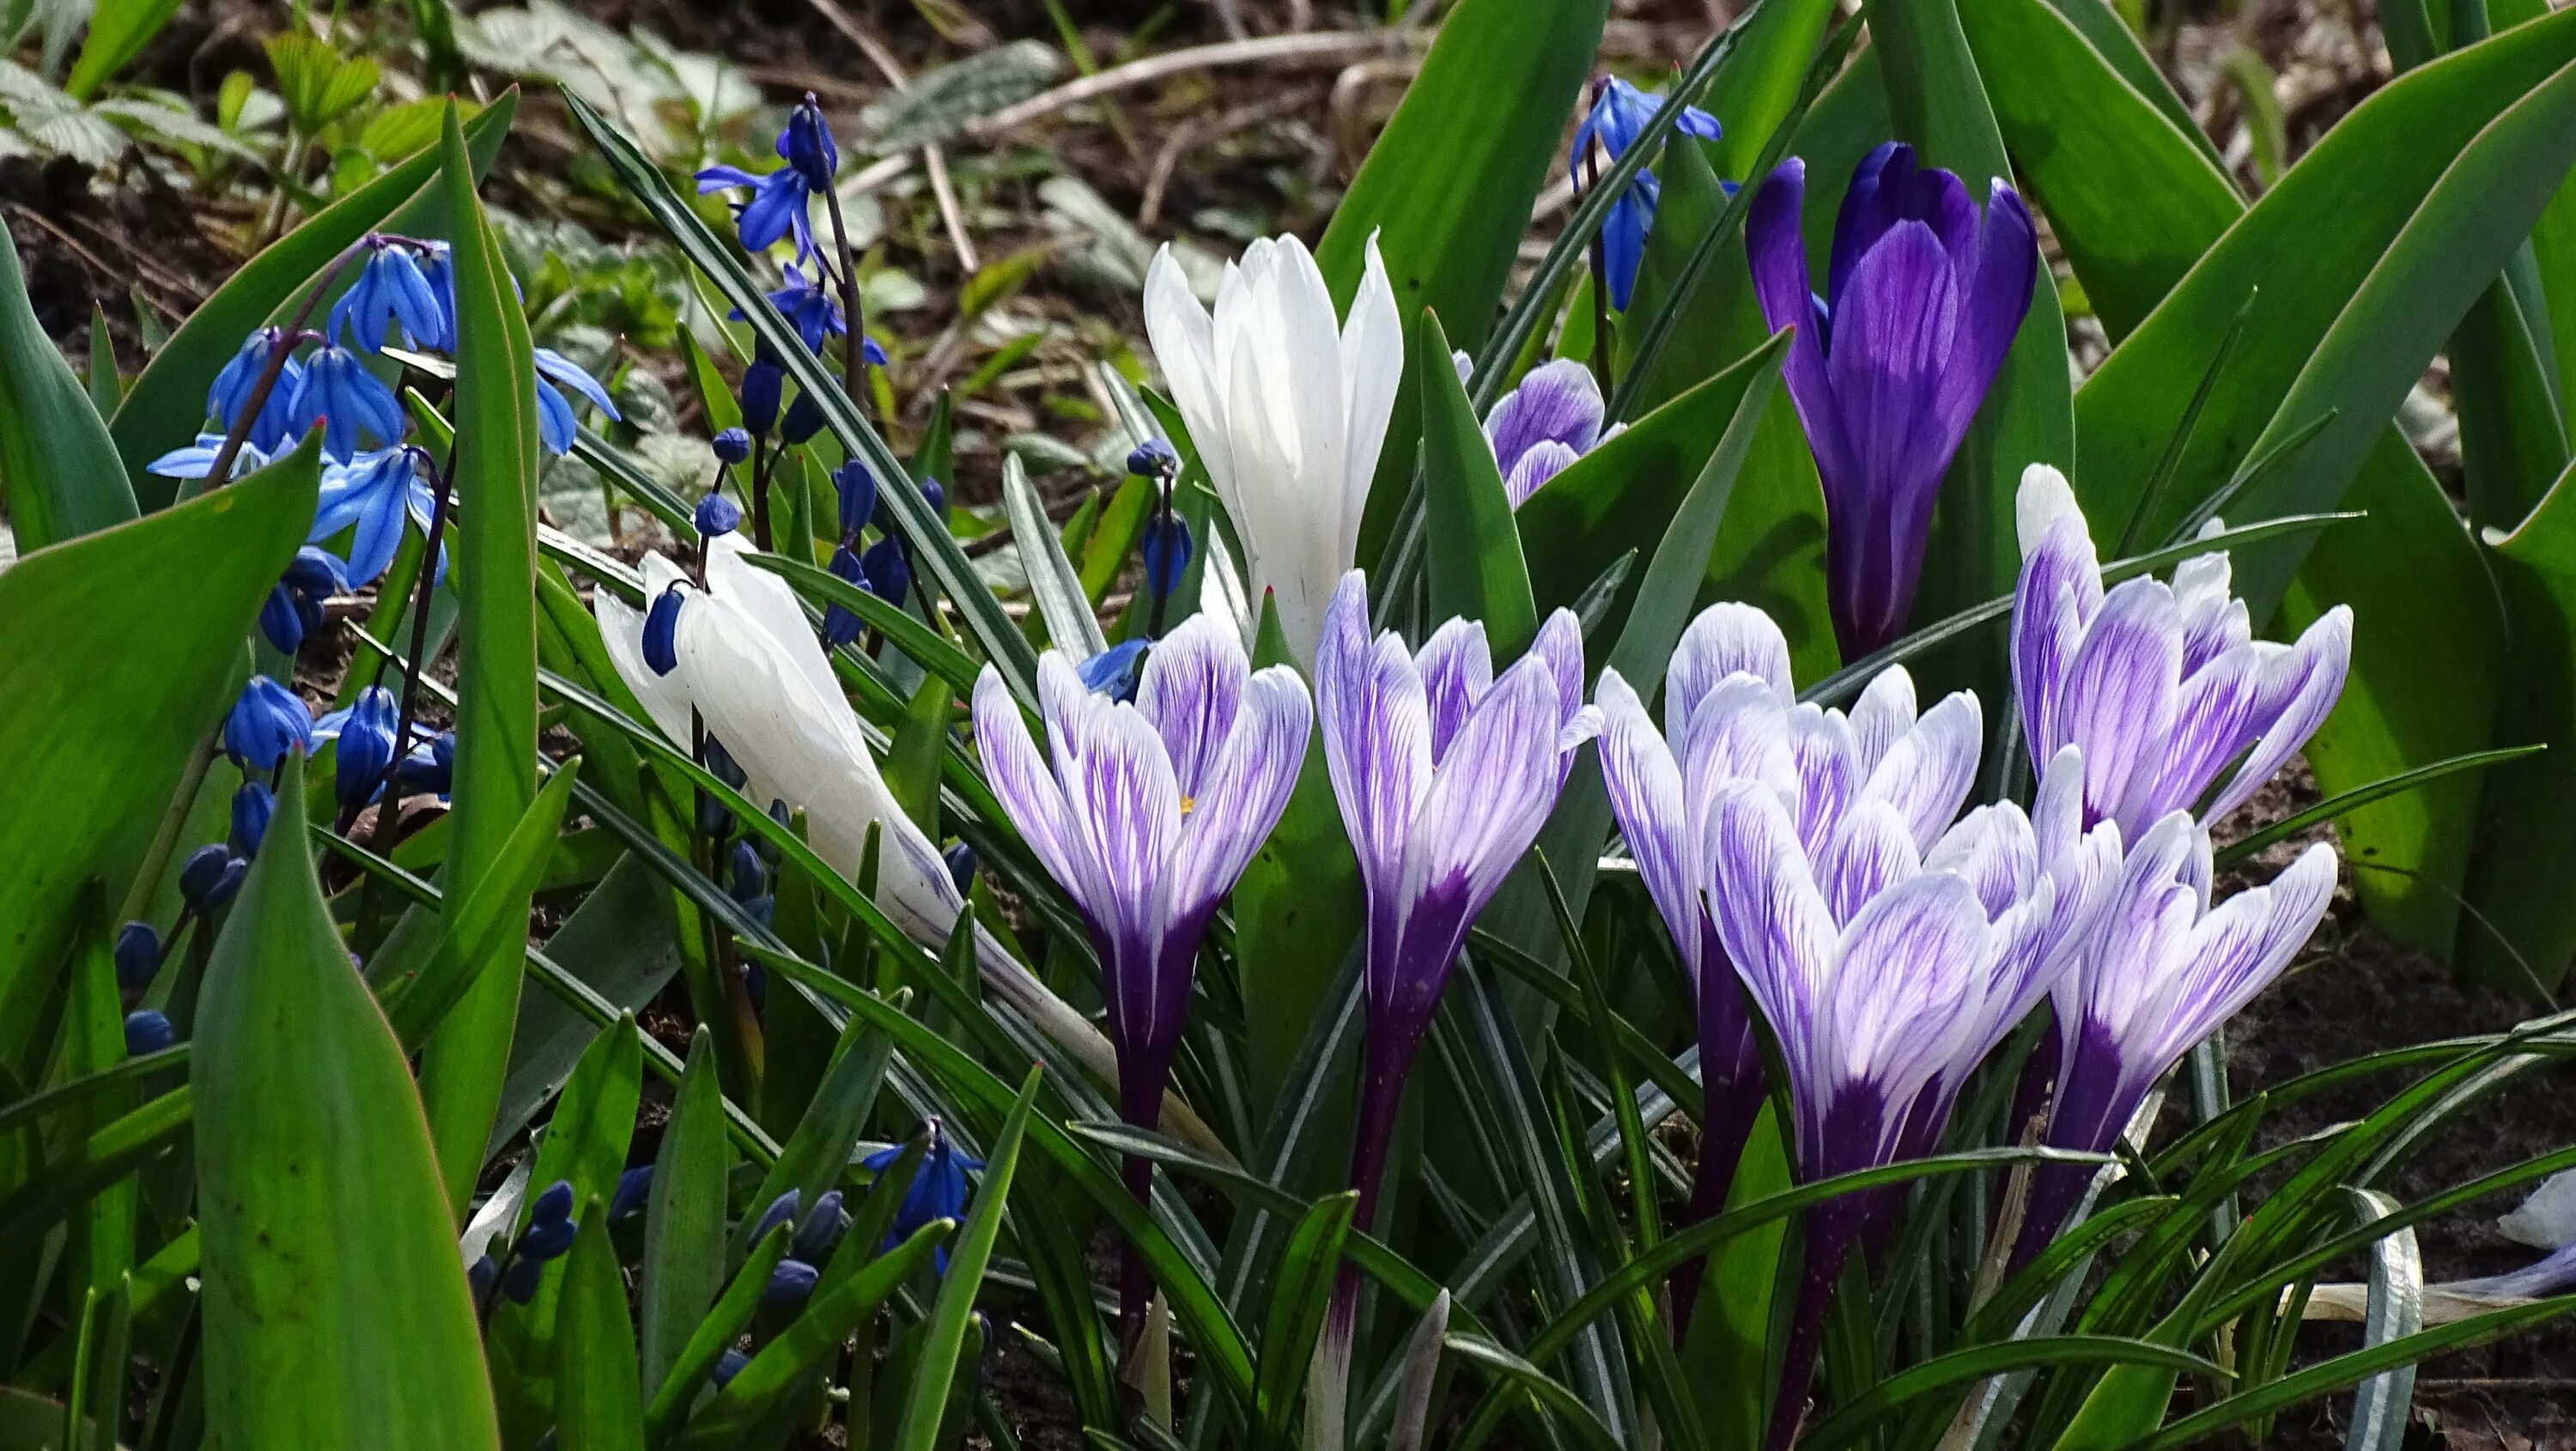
<point x="961" y="866"/>
<point x="750" y="879"/>
<point x="390" y="289"/>
<point x="372" y="492"/>
<point x="889" y="570"/>
<point x="662" y="631"/>
<point x="728" y="1365"/>
<point x="776" y="208"/>
<point x="521" y="1280"/>
<point x="804" y="419"/>
<point x="366" y="736"/>
<point x="1114" y="671"/>
<point x="198" y="459"/>
<point x="935" y="495"/>
<point x="858" y="492"/>
<point x="634" y="1190"/>
<point x="555" y="424"/>
<point x="293" y="609"/>
<point x="1153" y="459"/>
<point x="351" y="402"/>
<point x="253" y="805"/>
<point x="138" y="955"/>
<point x="731" y="445"/>
<point x="268" y="721"/>
<point x="438" y="269"/>
<point x="807" y="305"/>
<point x="761" y="385"/>
<point x="1167" y="553"/>
<point x="715" y="515"/>
<point x="821" y="1229"/>
<point x="937" y="1191"/>
<point x="147" y="1031"/>
<point x="278" y="418"/>
<point x="1620" y="114"/>
<point x="480" y="1278"/>
<point x="209" y="877"/>
<point x="431" y="765"/>
<point x="781" y="1210"/>
<point x="806" y="145"/>
<point x="790" y="1285"/>
<point x="840" y="625"/>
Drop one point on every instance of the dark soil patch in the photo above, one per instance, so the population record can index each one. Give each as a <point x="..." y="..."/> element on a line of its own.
<point x="112" y="248"/>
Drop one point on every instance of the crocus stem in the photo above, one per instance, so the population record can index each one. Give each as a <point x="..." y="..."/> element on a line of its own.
<point x="1829" y="1235"/>
<point x="1140" y="1100"/>
<point x="221" y="471"/>
<point x="1726" y="1124"/>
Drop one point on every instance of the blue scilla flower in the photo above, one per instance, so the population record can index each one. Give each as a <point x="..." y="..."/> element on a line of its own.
<point x="807" y="305"/>
<point x="935" y="494"/>
<point x="806" y="144"/>
<point x="820" y="1230"/>
<point x="278" y="418"/>
<point x="857" y="489"/>
<point x="481" y="1277"/>
<point x="889" y="570"/>
<point x="352" y="403"/>
<point x="762" y="383"/>
<point x="781" y="1210"/>
<point x="438" y="269"/>
<point x="147" y="1031"/>
<point x="431" y="765"/>
<point x="961" y="866"/>
<point x="266" y="722"/>
<point x="790" y="1285"/>
<point x="716" y="515"/>
<point x="778" y="199"/>
<point x="731" y="445"/>
<point x="1620" y="114"/>
<point x="728" y="1365"/>
<point x="293" y="609"/>
<point x="371" y="493"/>
<point x="391" y="288"/>
<point x="366" y="736"/>
<point x="634" y="1190"/>
<point x="209" y="877"/>
<point x="1114" y="671"/>
<point x="840" y="625"/>
<point x="253" y="805"/>
<point x="750" y="879"/>
<point x="662" y="632"/>
<point x="1153" y="459"/>
<point x="198" y="459"/>
<point x="138" y="955"/>
<point x="804" y="419"/>
<point x="1167" y="553"/>
<point x="521" y="1279"/>
<point x="556" y="426"/>
<point x="937" y="1191"/>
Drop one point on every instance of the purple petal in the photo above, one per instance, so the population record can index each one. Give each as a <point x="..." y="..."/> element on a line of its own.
<point x="2302" y="690"/>
<point x="2059" y="589"/>
<point x="1769" y="914"/>
<point x="1740" y="732"/>
<point x="1247" y="785"/>
<point x="1645" y="789"/>
<point x="1727" y="639"/>
<point x="1908" y="986"/>
<point x="1823" y="757"/>
<point x="1028" y="793"/>
<point x="1457" y="668"/>
<point x="1557" y="402"/>
<point x="1995" y="851"/>
<point x="1869" y="208"/>
<point x="2214" y="720"/>
<point x="1192" y="687"/>
<point x="2235" y="953"/>
<point x="1892" y="336"/>
<point x="1777" y="250"/>
<point x="2119" y="692"/>
<point x="1928" y="773"/>
<point x="1883" y="715"/>
<point x="1558" y="649"/>
<point x="1995" y="289"/>
<point x="1122" y="804"/>
<point x="1545" y="460"/>
<point x="1376" y="724"/>
<point x="1872" y="850"/>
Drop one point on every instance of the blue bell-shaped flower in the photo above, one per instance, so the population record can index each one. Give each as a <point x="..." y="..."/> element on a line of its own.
<point x="366" y="747"/>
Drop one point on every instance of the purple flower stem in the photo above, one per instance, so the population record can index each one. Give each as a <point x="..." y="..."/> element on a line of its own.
<point x="1736" y="1088"/>
<point x="1142" y="1077"/>
<point x="1830" y="1229"/>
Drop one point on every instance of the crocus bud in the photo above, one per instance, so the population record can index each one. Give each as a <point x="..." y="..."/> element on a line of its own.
<point x="935" y="494"/>
<point x="201" y="875"/>
<point x="147" y="1031"/>
<point x="788" y="1286"/>
<point x="634" y="1190"/>
<point x="804" y="419"/>
<point x="761" y="385"/>
<point x="781" y="1210"/>
<point x="253" y="804"/>
<point x="1167" y="553"/>
<point x="821" y="1229"/>
<point x="716" y="515"/>
<point x="858" y="490"/>
<point x="750" y="877"/>
<point x="732" y="445"/>
<point x="661" y="632"/>
<point x="961" y="866"/>
<point x="553" y="1206"/>
<point x="889" y="571"/>
<point x="1152" y="459"/>
<point x="138" y="955"/>
<point x="268" y="721"/>
<point x="366" y="746"/>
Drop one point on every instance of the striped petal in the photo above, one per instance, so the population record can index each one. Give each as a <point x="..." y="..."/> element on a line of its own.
<point x="1376" y="722"/>
<point x="1192" y="689"/>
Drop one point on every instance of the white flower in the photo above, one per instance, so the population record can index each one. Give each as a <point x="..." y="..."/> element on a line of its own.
<point x="1287" y="406"/>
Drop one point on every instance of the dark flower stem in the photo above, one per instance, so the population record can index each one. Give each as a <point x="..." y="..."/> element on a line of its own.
<point x="1600" y="289"/>
<point x="220" y="472"/>
<point x="425" y="580"/>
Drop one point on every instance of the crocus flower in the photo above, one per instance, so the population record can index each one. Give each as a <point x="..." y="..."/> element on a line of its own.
<point x="1620" y="114"/>
<point x="198" y="459"/>
<point x="1145" y="814"/>
<point x="1444" y="774"/>
<point x="391" y="289"/>
<point x="2163" y="685"/>
<point x="556" y="426"/>
<point x="937" y="1190"/>
<point x="278" y="418"/>
<point x="1549" y="421"/>
<point x="1287" y="412"/>
<point x="265" y="723"/>
<point x="372" y="493"/>
<point x="352" y="403"/>
<point x="745" y="660"/>
<point x="1921" y="303"/>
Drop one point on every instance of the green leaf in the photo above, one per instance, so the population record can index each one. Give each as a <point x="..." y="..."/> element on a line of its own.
<point x="598" y="1406"/>
<point x="621" y="943"/>
<point x="317" y="83"/>
<point x="1053" y="582"/>
<point x="818" y="1152"/>
<point x="108" y="689"/>
<point x="486" y="931"/>
<point x="101" y="1247"/>
<point x="167" y="402"/>
<point x="714" y="1333"/>
<point x="1309" y="1265"/>
<point x="944" y="1334"/>
<point x="919" y="643"/>
<point x="685" y="1218"/>
<point x="328" y="1245"/>
<point x="58" y="473"/>
<point x="495" y="472"/>
<point x="1475" y="555"/>
<point x="2526" y="927"/>
<point x="2394" y="1310"/>
<point x="118" y="32"/>
<point x="2244" y="848"/>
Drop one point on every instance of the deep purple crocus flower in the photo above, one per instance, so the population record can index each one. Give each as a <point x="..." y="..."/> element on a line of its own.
<point x="2164" y="685"/>
<point x="352" y="403"/>
<point x="1445" y="774"/>
<point x="1550" y="420"/>
<point x="1145" y="814"/>
<point x="556" y="424"/>
<point x="1921" y="303"/>
<point x="1620" y="114"/>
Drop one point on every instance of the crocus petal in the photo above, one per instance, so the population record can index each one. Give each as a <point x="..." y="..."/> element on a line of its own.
<point x="2234" y="953"/>
<point x="2119" y="690"/>
<point x="1825" y="760"/>
<point x="1177" y="325"/>
<point x="765" y="599"/>
<point x="1929" y="771"/>
<point x="1769" y="914"/>
<point x="1028" y="792"/>
<point x="1376" y="722"/>
<point x="1457" y="667"/>
<point x="1869" y="208"/>
<point x="1372" y="353"/>
<point x="1192" y="687"/>
<point x="1892" y="334"/>
<point x="1557" y="402"/>
<point x="1123" y="805"/>
<point x="2303" y="688"/>
<point x="1645" y="789"/>
<point x="1883" y="715"/>
<point x="1244" y="791"/>
<point x="1777" y="249"/>
<point x="1871" y="850"/>
<point x="1545" y="460"/>
<point x="1726" y="639"/>
<point x="1907" y="986"/>
<point x="1995" y="286"/>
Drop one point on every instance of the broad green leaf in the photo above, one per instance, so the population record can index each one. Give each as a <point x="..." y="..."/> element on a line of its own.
<point x="2528" y="923"/>
<point x="496" y="723"/>
<point x="328" y="1245"/>
<point x="1054" y="583"/>
<point x="944" y="1334"/>
<point x="621" y="942"/>
<point x="101" y="1248"/>
<point x="714" y="1334"/>
<point x="598" y="1406"/>
<point x="118" y="32"/>
<point x="818" y="1152"/>
<point x="167" y="402"/>
<point x="108" y="688"/>
<point x="58" y="472"/>
<point x="1476" y="570"/>
<point x="684" y="1221"/>
<point x="1310" y="1265"/>
<point x="486" y="930"/>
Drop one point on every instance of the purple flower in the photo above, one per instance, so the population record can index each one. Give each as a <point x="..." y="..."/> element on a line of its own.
<point x="1620" y="114"/>
<point x="556" y="427"/>
<point x="2163" y="685"/>
<point x="1549" y="421"/>
<point x="1145" y="814"/>
<point x="1887" y="369"/>
<point x="1445" y="775"/>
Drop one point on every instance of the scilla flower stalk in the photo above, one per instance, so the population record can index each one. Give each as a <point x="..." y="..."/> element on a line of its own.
<point x="1145" y="814"/>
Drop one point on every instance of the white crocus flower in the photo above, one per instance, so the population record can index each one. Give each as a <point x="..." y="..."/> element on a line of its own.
<point x="1287" y="406"/>
<point x="751" y="668"/>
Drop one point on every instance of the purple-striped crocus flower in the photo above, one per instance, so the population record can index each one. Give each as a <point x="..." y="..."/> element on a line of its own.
<point x="1547" y="422"/>
<point x="1444" y="773"/>
<point x="1921" y="303"/>
<point x="1145" y="814"/>
<point x="2174" y="701"/>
